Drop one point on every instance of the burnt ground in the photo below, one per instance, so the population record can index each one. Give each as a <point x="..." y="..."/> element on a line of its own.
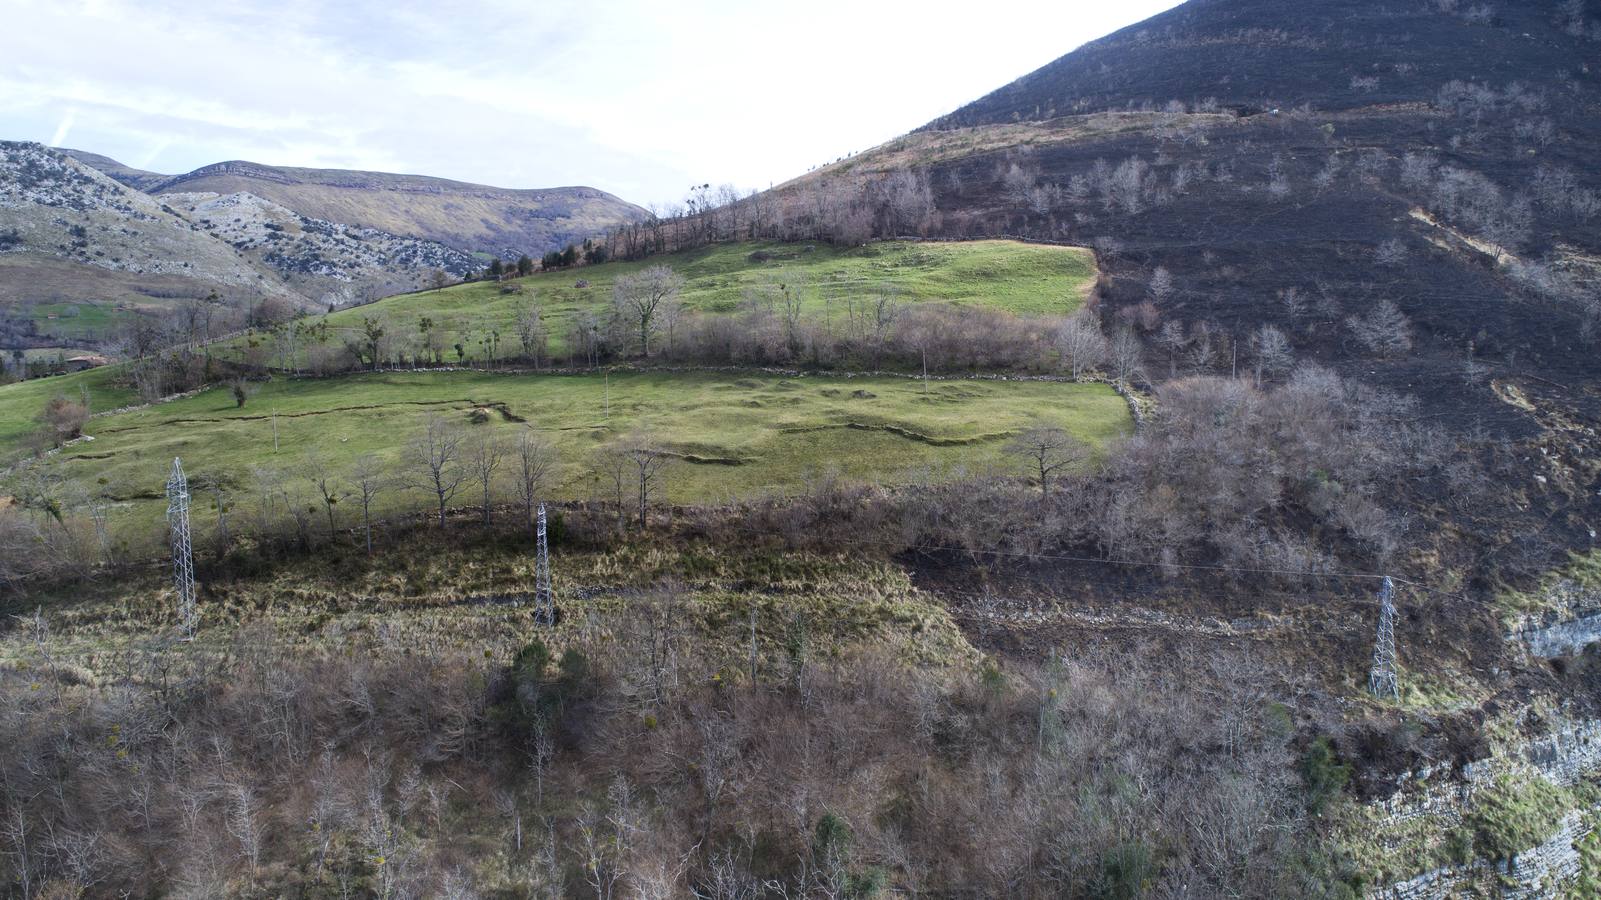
<point x="1296" y="189"/>
<point x="1306" y="645"/>
<point x="1234" y="247"/>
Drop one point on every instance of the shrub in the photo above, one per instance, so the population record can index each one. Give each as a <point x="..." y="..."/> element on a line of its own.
<point x="1325" y="776"/>
<point x="63" y="419"/>
<point x="1126" y="871"/>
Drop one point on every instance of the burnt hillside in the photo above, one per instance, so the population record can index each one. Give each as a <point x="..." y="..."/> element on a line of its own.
<point x="1407" y="192"/>
<point x="1256" y="55"/>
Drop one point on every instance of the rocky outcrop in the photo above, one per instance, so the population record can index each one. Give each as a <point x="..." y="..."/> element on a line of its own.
<point x="1571" y="623"/>
<point x="1570" y="751"/>
<point x="1535" y="874"/>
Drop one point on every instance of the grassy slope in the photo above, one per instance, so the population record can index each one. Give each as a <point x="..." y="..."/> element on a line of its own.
<point x="1023" y="278"/>
<point x="21" y="403"/>
<point x="751" y="433"/>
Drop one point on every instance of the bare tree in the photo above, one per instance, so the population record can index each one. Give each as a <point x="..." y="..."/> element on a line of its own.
<point x="639" y="296"/>
<point x="1172" y="339"/>
<point x="909" y="199"/>
<point x="646" y="461"/>
<point x="1272" y="351"/>
<point x="321" y="476"/>
<point x="1161" y="287"/>
<point x="435" y="455"/>
<point x="1083" y="345"/>
<point x="1384" y="330"/>
<point x="484" y="455"/>
<point x="370" y="479"/>
<point x="531" y="332"/>
<point x="1047" y="450"/>
<point x="885" y="310"/>
<point x="1124" y="353"/>
<point x="535" y="460"/>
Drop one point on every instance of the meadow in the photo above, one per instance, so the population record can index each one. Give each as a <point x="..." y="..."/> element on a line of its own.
<point x="1027" y="279"/>
<point x="21" y="402"/>
<point x="733" y="435"/>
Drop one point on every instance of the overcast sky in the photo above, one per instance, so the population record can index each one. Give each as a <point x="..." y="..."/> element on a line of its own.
<point x="635" y="97"/>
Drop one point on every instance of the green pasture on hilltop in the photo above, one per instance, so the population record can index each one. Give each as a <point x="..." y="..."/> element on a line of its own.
<point x="1028" y="279"/>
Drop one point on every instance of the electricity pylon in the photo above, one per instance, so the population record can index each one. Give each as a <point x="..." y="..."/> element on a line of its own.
<point x="183" y="566"/>
<point x="544" y="599"/>
<point x="1382" y="680"/>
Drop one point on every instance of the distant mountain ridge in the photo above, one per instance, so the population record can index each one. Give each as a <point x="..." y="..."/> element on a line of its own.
<point x="138" y="179"/>
<point x="472" y="218"/>
<point x="87" y="242"/>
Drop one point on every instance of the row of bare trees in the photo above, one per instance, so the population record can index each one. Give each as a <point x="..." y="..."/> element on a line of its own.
<point x="53" y="524"/>
<point x="840" y="209"/>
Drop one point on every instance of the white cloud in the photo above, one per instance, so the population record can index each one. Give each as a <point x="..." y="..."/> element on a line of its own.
<point x="636" y="97"/>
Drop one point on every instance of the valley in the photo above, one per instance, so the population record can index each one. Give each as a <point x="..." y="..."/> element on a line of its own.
<point x="1175" y="473"/>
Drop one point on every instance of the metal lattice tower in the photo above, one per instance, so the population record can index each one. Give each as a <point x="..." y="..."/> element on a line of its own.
<point x="1381" y="680"/>
<point x="183" y="566"/>
<point x="544" y="599"/>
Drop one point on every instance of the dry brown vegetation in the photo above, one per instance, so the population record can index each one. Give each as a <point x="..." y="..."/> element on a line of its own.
<point x="641" y="765"/>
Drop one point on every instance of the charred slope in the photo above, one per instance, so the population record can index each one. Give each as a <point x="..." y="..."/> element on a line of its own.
<point x="1255" y="55"/>
<point x="1440" y="237"/>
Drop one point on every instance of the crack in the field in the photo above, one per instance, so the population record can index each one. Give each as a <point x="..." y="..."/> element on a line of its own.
<point x="902" y="432"/>
<point x="497" y="405"/>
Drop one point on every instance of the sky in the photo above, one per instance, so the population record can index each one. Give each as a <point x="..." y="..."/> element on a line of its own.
<point x="642" y="99"/>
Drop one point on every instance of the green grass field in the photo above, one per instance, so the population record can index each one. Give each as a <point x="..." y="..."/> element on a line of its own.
<point x="20" y="403"/>
<point x="1027" y="279"/>
<point x="78" y="320"/>
<point x="735" y="435"/>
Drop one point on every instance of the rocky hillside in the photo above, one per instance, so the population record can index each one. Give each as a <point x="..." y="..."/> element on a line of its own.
<point x="138" y="179"/>
<point x="85" y="245"/>
<point x="468" y="217"/>
<point x="314" y="255"/>
<point x="70" y="233"/>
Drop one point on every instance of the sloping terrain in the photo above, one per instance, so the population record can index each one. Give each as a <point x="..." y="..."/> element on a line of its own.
<point x="72" y="236"/>
<point x="1252" y="56"/>
<point x="83" y="251"/>
<point x="138" y="179"/>
<point x="469" y="217"/>
<point x="315" y="255"/>
<point x="1408" y="194"/>
<point x="738" y="279"/>
<point x="730" y="436"/>
<point x="1406" y="191"/>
